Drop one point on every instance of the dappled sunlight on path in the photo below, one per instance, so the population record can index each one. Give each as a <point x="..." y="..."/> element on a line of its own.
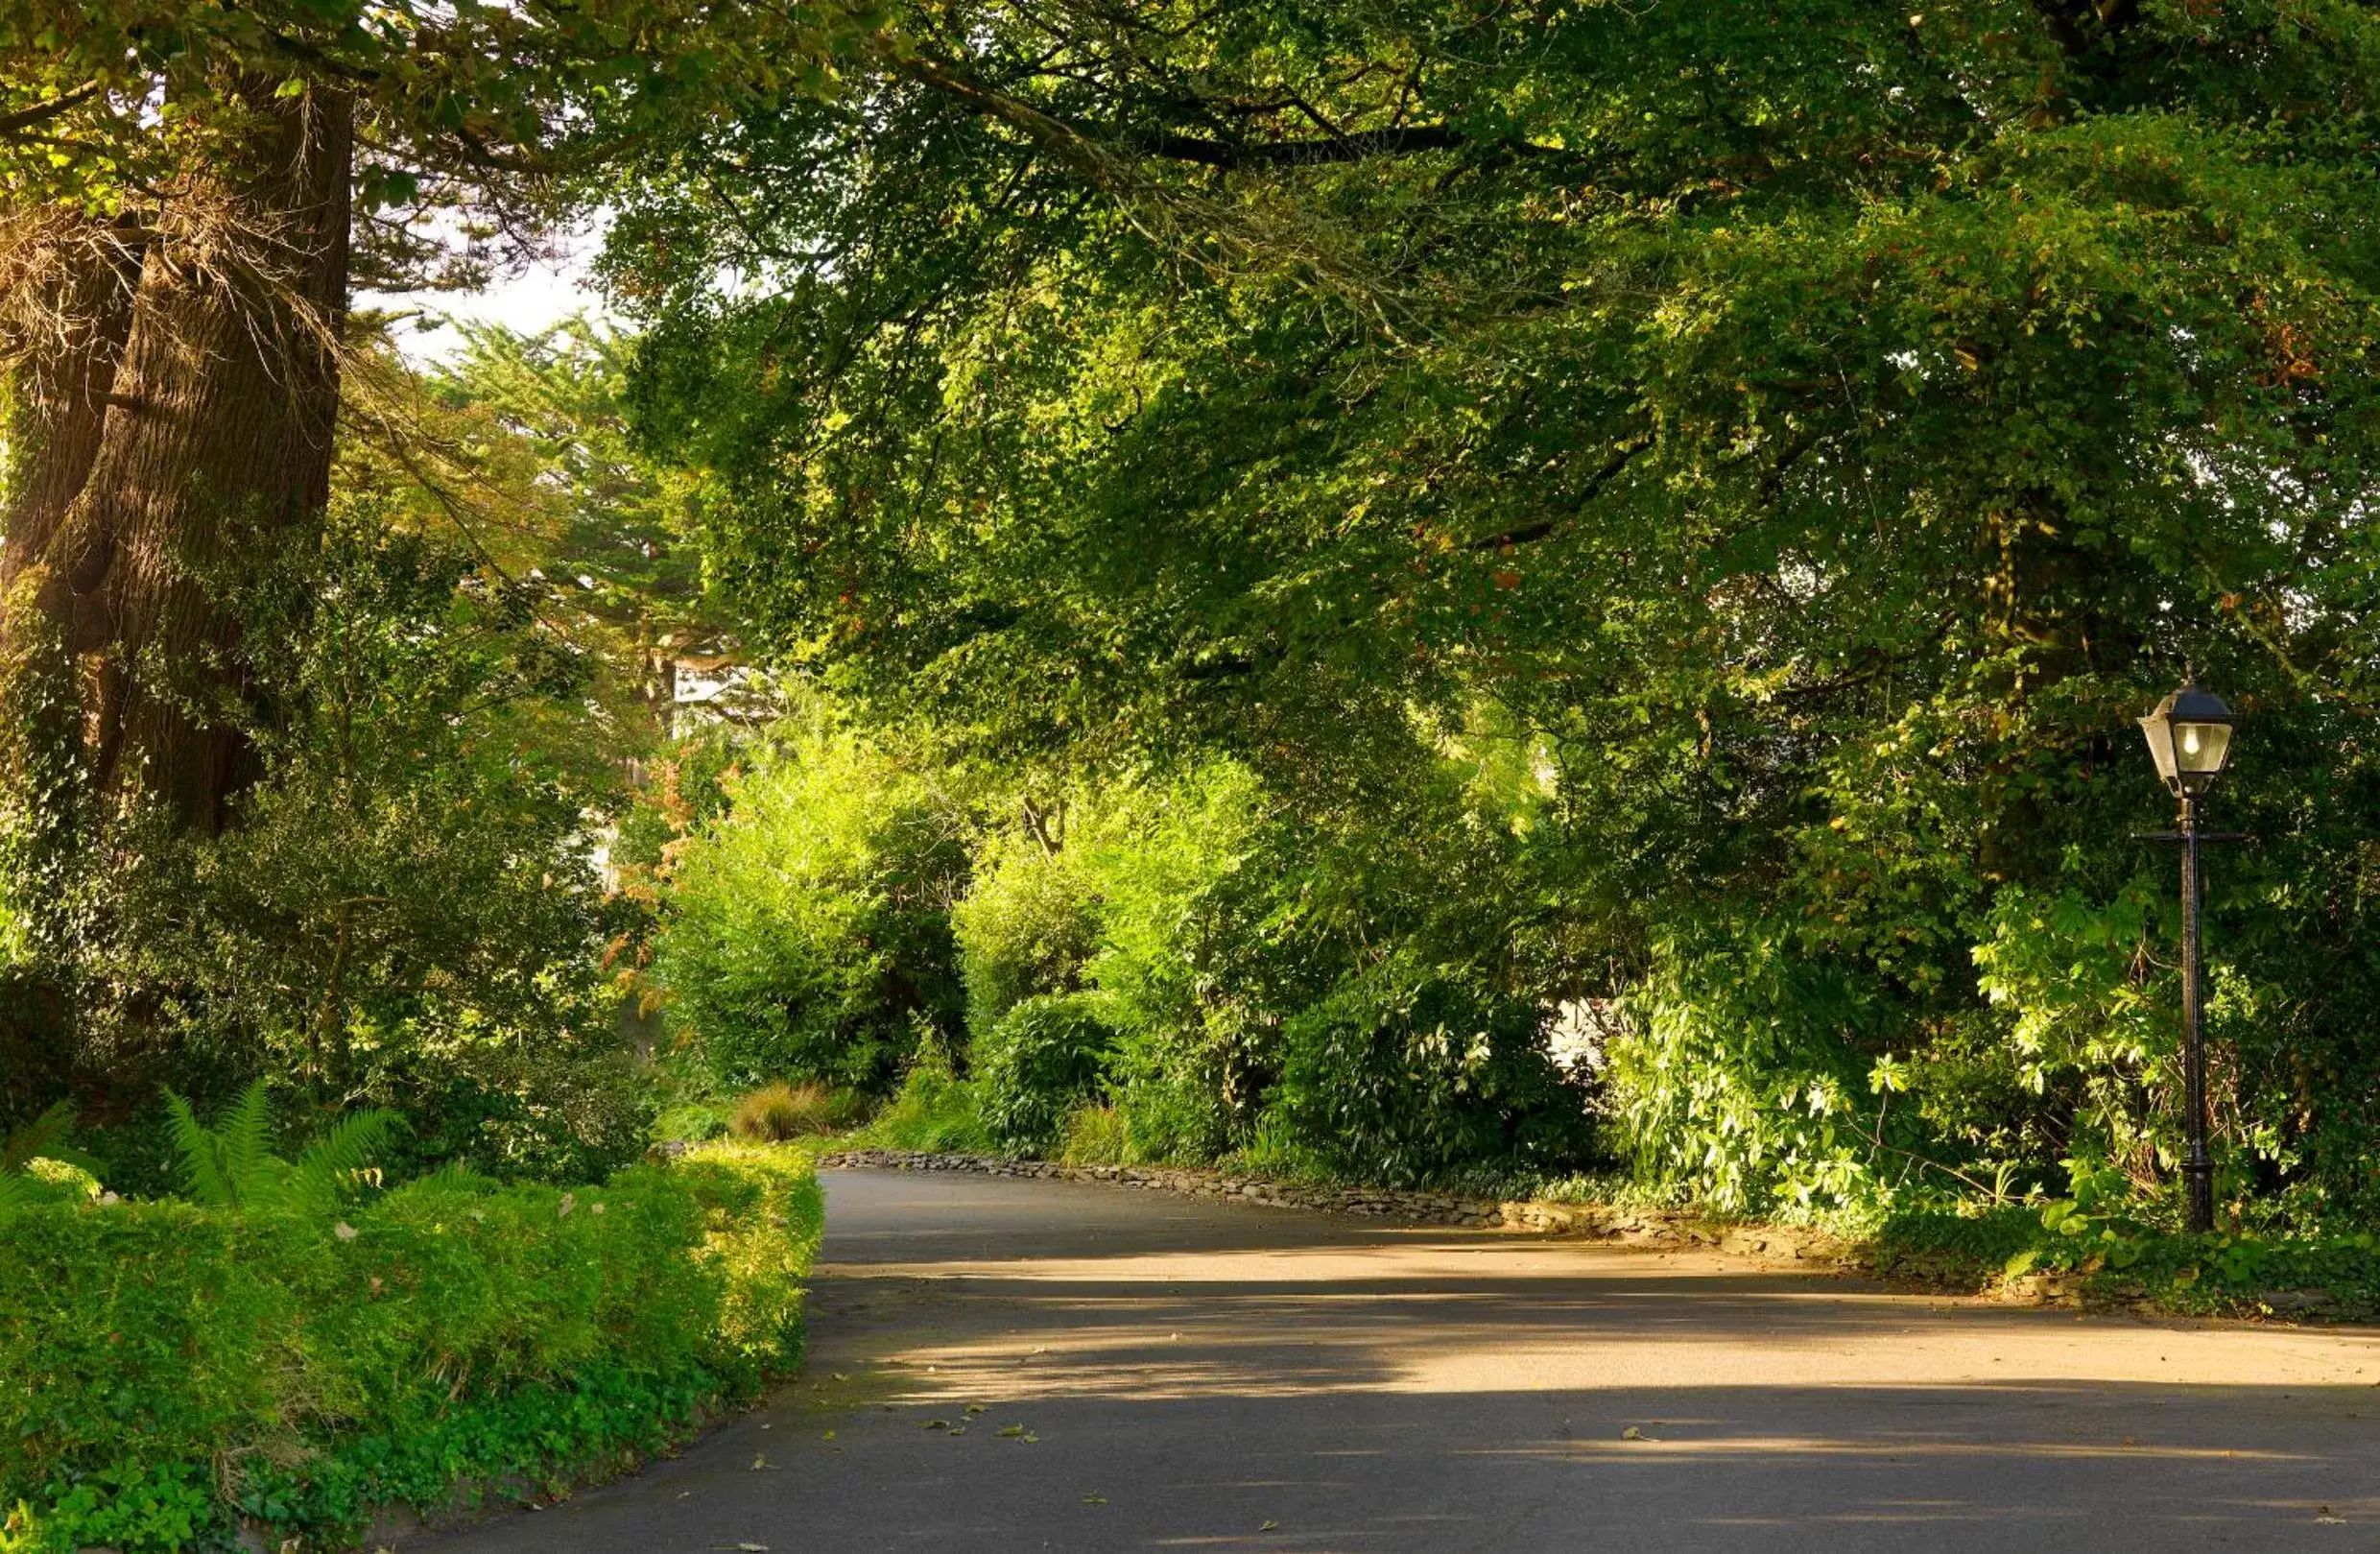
<point x="1007" y="1365"/>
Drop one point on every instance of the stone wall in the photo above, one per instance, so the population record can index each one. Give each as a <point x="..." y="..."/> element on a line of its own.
<point x="1600" y="1222"/>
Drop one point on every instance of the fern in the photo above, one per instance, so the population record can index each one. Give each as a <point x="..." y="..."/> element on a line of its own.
<point x="206" y="1176"/>
<point x="340" y="1161"/>
<point x="231" y="1165"/>
<point x="43" y="1138"/>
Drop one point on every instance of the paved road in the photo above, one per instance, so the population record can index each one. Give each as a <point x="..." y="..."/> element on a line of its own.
<point x="1190" y="1376"/>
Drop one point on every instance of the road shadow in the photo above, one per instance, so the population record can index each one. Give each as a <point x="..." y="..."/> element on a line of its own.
<point x="1020" y="1366"/>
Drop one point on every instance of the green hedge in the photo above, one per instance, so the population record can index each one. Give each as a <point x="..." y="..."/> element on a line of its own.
<point x="165" y="1369"/>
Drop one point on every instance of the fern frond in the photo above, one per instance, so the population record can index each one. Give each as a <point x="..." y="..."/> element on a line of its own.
<point x="202" y="1174"/>
<point x="16" y="1190"/>
<point x="38" y="1137"/>
<point x="247" y="1141"/>
<point x="334" y="1162"/>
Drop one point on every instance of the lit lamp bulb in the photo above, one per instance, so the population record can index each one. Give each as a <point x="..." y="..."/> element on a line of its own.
<point x="2190" y="741"/>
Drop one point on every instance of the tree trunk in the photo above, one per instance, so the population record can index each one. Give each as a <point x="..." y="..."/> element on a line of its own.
<point x="212" y="449"/>
<point x="68" y="332"/>
<point x="73" y="330"/>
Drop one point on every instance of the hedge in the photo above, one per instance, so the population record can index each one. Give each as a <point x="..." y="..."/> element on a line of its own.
<point x="168" y="1369"/>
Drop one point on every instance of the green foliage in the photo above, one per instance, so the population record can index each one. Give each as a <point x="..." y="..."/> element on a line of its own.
<point x="406" y="913"/>
<point x="36" y="1159"/>
<point x="775" y="1112"/>
<point x="931" y="1112"/>
<point x="1403" y="1073"/>
<point x="1046" y="1054"/>
<point x="807" y="930"/>
<point x="231" y="1165"/>
<point x="1798" y="442"/>
<point x="1178" y="871"/>
<point x="1740" y="1084"/>
<point x="451" y="1326"/>
<point x="1095" y="1136"/>
<point x="1027" y="926"/>
<point x="2093" y="1242"/>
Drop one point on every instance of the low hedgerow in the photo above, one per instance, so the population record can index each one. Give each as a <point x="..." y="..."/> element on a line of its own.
<point x="2091" y="1245"/>
<point x="168" y="1368"/>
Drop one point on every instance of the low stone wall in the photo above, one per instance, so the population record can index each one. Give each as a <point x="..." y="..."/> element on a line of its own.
<point x="1600" y="1222"/>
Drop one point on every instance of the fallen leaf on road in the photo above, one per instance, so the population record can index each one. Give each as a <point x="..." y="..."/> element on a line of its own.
<point x="1631" y="1433"/>
<point x="934" y="1424"/>
<point x="958" y="1429"/>
<point x="1267" y="1526"/>
<point x="975" y="1408"/>
<point x="1011" y="1431"/>
<point x="759" y="1461"/>
<point x="1094" y="1499"/>
<point x="828" y="1435"/>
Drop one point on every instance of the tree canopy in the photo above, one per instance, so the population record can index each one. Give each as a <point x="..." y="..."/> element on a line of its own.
<point x="1812" y="431"/>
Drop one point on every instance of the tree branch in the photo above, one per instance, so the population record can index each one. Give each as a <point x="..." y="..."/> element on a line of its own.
<point x="1621" y="458"/>
<point x="25" y="118"/>
<point x="1361" y="145"/>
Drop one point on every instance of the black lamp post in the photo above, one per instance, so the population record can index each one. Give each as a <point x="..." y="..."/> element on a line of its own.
<point x="2190" y="739"/>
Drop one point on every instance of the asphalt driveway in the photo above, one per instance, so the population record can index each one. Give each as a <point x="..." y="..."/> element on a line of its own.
<point x="1002" y="1365"/>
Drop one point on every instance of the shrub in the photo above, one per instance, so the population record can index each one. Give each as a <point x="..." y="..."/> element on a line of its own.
<point x="1405" y="1072"/>
<point x="406" y="913"/>
<point x="1028" y="926"/>
<point x="931" y="1112"/>
<point x="1185" y="891"/>
<point x="775" y="1112"/>
<point x="808" y="930"/>
<point x="1045" y="1055"/>
<point x="1742" y="1080"/>
<point x="453" y="1327"/>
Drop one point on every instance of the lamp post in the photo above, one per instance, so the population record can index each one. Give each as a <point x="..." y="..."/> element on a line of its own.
<point x="2190" y="740"/>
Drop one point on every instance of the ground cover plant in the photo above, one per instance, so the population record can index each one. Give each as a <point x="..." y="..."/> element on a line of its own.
<point x="294" y="1348"/>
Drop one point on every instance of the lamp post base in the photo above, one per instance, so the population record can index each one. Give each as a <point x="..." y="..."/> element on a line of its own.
<point x="2198" y="1178"/>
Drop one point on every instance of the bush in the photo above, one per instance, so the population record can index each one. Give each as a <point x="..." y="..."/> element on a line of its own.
<point x="406" y="912"/>
<point x="1405" y="1072"/>
<point x="1047" y="1054"/>
<point x="1186" y="964"/>
<point x="454" y="1327"/>
<point x="777" y="1112"/>
<point x="931" y="1112"/>
<point x="1028" y="926"/>
<point x="1744" y="1082"/>
<point x="806" y="934"/>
